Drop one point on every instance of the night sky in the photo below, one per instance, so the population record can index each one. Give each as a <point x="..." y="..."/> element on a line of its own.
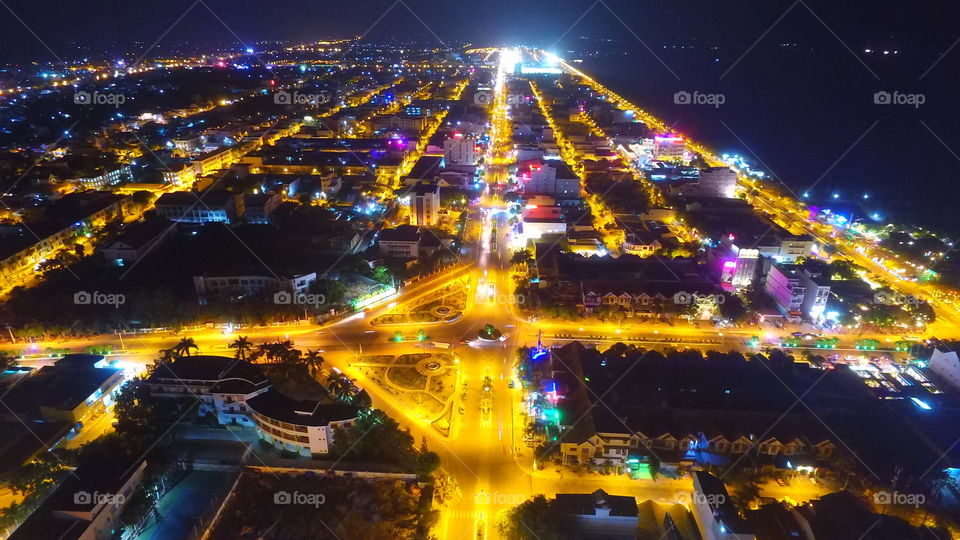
<point x="117" y="24"/>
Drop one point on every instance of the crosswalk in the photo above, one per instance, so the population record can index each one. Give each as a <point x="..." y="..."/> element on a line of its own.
<point x="465" y="514"/>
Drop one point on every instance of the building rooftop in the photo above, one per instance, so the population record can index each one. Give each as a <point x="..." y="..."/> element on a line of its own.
<point x="62" y="387"/>
<point x="210" y="368"/>
<point x="402" y="233"/>
<point x="586" y="504"/>
<point x="278" y="406"/>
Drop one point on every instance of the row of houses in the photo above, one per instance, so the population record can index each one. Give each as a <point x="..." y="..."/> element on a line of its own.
<point x="25" y="247"/>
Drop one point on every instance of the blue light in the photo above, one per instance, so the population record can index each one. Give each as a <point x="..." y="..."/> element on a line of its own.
<point x="922" y="404"/>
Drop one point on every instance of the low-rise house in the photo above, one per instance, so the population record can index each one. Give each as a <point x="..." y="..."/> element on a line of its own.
<point x="643" y="243"/>
<point x="211" y="207"/>
<point x="137" y="240"/>
<point x="600" y="514"/>
<point x="258" y="208"/>
<point x="72" y="390"/>
<point x="239" y="286"/>
<point x="713" y="509"/>
<point x="87" y="505"/>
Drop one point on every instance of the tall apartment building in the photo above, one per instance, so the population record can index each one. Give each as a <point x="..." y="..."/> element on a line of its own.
<point x="460" y="150"/>
<point x="717" y="182"/>
<point x="425" y="204"/>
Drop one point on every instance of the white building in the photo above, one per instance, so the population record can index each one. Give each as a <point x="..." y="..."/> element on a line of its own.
<point x="740" y="268"/>
<point x="717" y="182"/>
<point x="425" y="204"/>
<point x="714" y="512"/>
<point x="554" y="179"/>
<point x="107" y="178"/>
<point x="946" y="364"/>
<point x="784" y="285"/>
<point x="540" y="220"/>
<point x="245" y="285"/>
<point x="460" y="150"/>
<point x="402" y="242"/>
<point x="669" y="148"/>
<point x="304" y="427"/>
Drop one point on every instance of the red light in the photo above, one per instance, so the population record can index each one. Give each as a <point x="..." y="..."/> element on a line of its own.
<point x="273" y="82"/>
<point x="458" y="135"/>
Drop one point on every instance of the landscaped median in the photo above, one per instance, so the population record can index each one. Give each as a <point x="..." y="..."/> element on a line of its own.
<point x="422" y="384"/>
<point x="445" y="304"/>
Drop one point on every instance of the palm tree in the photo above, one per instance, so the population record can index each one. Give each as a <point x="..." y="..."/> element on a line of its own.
<point x="339" y="385"/>
<point x="243" y="346"/>
<point x="520" y="257"/>
<point x="183" y="348"/>
<point x="167" y="356"/>
<point x="313" y="361"/>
